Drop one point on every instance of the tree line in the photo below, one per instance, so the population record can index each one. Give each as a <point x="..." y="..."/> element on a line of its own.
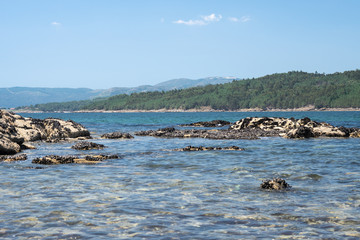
<point x="281" y="90"/>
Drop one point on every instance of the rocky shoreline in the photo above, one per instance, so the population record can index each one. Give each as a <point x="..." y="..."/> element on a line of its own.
<point x="254" y="128"/>
<point x="16" y="131"/>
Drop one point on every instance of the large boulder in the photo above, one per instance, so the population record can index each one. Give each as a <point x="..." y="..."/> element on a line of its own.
<point x="15" y="130"/>
<point x="8" y="147"/>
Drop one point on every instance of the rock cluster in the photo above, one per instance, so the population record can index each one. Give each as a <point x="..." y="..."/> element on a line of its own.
<point x="214" y="123"/>
<point x="275" y="184"/>
<point x="201" y="148"/>
<point x="295" y="128"/>
<point x="15" y="130"/>
<point x="89" y="159"/>
<point x="12" y="158"/>
<point x="84" y="145"/>
<point x="117" y="135"/>
<point x="211" y="134"/>
<point x="253" y="128"/>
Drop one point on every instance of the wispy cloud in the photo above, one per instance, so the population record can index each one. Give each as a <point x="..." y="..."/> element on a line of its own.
<point x="55" y="23"/>
<point x="204" y="20"/>
<point x="245" y="19"/>
<point x="233" y="19"/>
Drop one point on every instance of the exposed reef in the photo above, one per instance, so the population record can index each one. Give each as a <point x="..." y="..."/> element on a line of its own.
<point x="117" y="135"/>
<point x="12" y="158"/>
<point x="253" y="128"/>
<point x="213" y="123"/>
<point x="16" y="130"/>
<point x="89" y="159"/>
<point x="205" y="133"/>
<point x="201" y="148"/>
<point x="295" y="128"/>
<point x="85" y="145"/>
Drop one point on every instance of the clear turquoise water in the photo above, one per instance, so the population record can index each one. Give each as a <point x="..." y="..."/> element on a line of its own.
<point x="155" y="193"/>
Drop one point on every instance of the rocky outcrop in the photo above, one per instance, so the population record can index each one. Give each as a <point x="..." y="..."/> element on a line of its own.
<point x="211" y="134"/>
<point x="295" y="128"/>
<point x="7" y="158"/>
<point x="201" y="148"/>
<point x="8" y="147"/>
<point x="275" y="184"/>
<point x="253" y="128"/>
<point x="117" y="135"/>
<point x="84" y="145"/>
<point x="89" y="159"/>
<point x="15" y="130"/>
<point x="214" y="123"/>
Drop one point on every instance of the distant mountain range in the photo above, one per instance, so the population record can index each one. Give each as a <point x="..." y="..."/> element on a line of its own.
<point x="25" y="96"/>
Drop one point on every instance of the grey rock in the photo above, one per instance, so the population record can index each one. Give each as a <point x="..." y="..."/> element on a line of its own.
<point x="16" y="130"/>
<point x="117" y="135"/>
<point x="275" y="184"/>
<point x="201" y="148"/>
<point x="84" y="145"/>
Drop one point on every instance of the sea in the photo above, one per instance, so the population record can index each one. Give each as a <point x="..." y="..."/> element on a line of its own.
<point x="153" y="192"/>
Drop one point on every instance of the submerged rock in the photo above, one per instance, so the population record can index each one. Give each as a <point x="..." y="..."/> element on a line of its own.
<point x="12" y="158"/>
<point x="275" y="184"/>
<point x="89" y="159"/>
<point x="87" y="146"/>
<point x="15" y="130"/>
<point x="117" y="135"/>
<point x="214" y="123"/>
<point x="201" y="148"/>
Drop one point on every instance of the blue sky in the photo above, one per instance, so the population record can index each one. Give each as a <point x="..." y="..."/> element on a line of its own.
<point x="120" y="43"/>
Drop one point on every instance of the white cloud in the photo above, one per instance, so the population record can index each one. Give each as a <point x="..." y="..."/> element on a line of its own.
<point x="212" y="18"/>
<point x="233" y="19"/>
<point x="200" y="22"/>
<point x="245" y="19"/>
<point x="55" y="23"/>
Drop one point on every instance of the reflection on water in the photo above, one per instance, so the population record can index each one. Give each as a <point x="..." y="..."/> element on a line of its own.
<point x="152" y="192"/>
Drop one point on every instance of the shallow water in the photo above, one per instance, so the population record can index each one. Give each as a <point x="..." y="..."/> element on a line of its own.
<point x="155" y="193"/>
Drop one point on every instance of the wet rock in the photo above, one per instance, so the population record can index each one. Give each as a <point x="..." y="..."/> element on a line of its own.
<point x="89" y="159"/>
<point x="214" y="123"/>
<point x="15" y="130"/>
<point x="275" y="184"/>
<point x="293" y="128"/>
<point x="87" y="146"/>
<point x="211" y="134"/>
<point x="27" y="146"/>
<point x="12" y="158"/>
<point x="100" y="157"/>
<point x="117" y="135"/>
<point x="354" y="132"/>
<point x="8" y="147"/>
<point x="301" y="132"/>
<point x="201" y="148"/>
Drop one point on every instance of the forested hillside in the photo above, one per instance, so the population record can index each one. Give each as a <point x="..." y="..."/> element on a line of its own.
<point x="286" y="90"/>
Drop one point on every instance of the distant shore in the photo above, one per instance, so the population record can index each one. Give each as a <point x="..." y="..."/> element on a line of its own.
<point x="206" y="109"/>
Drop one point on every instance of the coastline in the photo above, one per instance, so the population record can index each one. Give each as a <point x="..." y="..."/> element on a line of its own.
<point x="205" y="109"/>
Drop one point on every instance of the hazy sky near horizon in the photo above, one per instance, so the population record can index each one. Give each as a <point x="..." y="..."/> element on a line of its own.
<point x="110" y="43"/>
